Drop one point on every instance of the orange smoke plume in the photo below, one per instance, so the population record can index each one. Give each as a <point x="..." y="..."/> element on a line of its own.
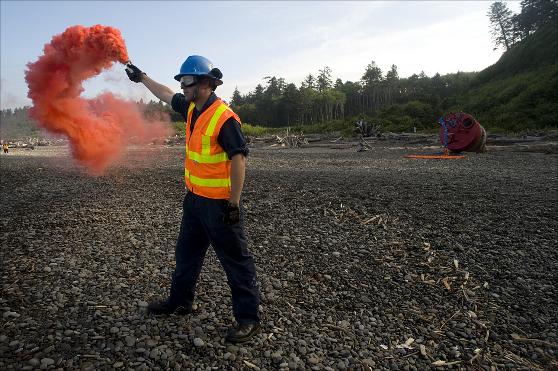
<point x="98" y="129"/>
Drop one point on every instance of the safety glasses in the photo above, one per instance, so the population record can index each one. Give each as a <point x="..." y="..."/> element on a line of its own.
<point x="187" y="81"/>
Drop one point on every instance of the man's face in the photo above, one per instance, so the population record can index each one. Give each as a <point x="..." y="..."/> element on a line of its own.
<point x="188" y="85"/>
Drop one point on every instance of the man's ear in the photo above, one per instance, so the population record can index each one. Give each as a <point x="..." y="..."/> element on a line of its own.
<point x="205" y="82"/>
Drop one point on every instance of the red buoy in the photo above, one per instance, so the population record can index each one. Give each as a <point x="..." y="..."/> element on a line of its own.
<point x="460" y="132"/>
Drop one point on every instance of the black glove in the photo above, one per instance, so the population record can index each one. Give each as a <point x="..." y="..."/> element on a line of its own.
<point x="134" y="73"/>
<point x="232" y="214"/>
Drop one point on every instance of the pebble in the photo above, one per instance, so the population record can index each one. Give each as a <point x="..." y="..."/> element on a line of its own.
<point x="276" y="357"/>
<point x="155" y="354"/>
<point x="10" y="315"/>
<point x="198" y="342"/>
<point x="370" y="362"/>
<point x="47" y="361"/>
<point x="130" y="340"/>
<point x="34" y="362"/>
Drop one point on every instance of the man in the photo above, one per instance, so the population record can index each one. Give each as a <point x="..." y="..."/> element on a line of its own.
<point x="214" y="174"/>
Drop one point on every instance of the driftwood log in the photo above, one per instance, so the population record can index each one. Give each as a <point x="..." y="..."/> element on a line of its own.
<point x="291" y="140"/>
<point x="366" y="130"/>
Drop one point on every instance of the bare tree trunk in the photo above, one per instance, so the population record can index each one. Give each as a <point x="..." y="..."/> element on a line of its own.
<point x="504" y="34"/>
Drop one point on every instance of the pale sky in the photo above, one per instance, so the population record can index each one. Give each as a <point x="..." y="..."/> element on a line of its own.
<point x="249" y="40"/>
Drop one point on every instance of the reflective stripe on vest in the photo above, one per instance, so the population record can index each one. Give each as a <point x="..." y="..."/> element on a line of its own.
<point x="208" y="159"/>
<point x="225" y="182"/>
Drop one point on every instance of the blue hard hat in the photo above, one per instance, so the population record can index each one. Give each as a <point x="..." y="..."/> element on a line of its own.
<point x="196" y="65"/>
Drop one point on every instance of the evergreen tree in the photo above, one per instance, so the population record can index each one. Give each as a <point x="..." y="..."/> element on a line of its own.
<point x="501" y="25"/>
<point x="258" y="92"/>
<point x="392" y="74"/>
<point x="338" y="84"/>
<point x="309" y="82"/>
<point x="372" y="75"/>
<point x="289" y="105"/>
<point x="236" y="100"/>
<point x="274" y="87"/>
<point x="324" y="79"/>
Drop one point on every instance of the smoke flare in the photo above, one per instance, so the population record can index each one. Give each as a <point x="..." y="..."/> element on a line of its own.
<point x="98" y="129"/>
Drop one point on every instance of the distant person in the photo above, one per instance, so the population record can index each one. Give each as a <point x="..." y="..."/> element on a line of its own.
<point x="214" y="174"/>
<point x="5" y="147"/>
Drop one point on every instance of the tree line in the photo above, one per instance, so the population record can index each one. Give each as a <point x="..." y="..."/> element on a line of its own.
<point x="319" y="99"/>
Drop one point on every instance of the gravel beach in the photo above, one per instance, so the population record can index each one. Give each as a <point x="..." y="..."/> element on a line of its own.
<point x="366" y="260"/>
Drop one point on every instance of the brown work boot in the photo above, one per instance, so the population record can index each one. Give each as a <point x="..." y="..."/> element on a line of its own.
<point x="242" y="333"/>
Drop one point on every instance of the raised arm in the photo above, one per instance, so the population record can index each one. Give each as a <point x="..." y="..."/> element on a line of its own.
<point x="161" y="91"/>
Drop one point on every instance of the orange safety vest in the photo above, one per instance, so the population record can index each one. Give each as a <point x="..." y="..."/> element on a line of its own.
<point x="207" y="168"/>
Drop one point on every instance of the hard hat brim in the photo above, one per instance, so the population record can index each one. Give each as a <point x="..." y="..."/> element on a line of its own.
<point x="178" y="77"/>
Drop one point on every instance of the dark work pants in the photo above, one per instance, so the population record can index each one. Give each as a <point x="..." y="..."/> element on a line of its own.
<point x="202" y="225"/>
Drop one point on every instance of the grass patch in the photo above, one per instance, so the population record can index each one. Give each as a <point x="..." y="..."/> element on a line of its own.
<point x="257" y="131"/>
